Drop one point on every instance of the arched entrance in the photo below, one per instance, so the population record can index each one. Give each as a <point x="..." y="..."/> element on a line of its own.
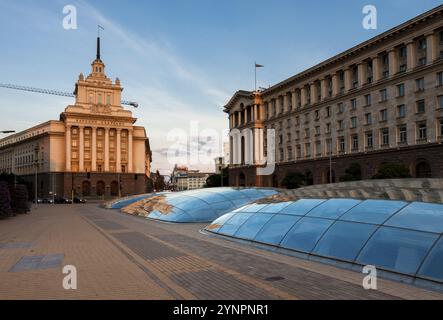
<point x="100" y="188"/>
<point x="423" y="169"/>
<point x="114" y="188"/>
<point x="309" y="178"/>
<point x="86" y="188"/>
<point x="241" y="180"/>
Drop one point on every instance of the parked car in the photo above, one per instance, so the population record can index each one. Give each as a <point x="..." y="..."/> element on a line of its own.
<point x="78" y="200"/>
<point x="61" y="200"/>
<point x="48" y="200"/>
<point x="39" y="200"/>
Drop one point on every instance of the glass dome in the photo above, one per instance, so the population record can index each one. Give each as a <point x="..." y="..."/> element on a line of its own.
<point x="203" y="205"/>
<point x="395" y="236"/>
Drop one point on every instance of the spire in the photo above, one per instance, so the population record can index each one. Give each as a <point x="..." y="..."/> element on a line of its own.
<point x="98" y="48"/>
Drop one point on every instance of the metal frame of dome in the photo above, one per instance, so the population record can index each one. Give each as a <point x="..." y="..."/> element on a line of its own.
<point x="404" y="240"/>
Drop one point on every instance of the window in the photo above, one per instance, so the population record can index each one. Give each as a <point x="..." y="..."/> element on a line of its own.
<point x="317" y="130"/>
<point x="440" y="102"/>
<point x="108" y="99"/>
<point x="317" y="115"/>
<point x="384" y="115"/>
<point x="318" y="148"/>
<point x="328" y="112"/>
<point x="441" y="36"/>
<point x="422" y="131"/>
<point x="100" y="100"/>
<point x="328" y="127"/>
<point x="355" y="142"/>
<point x="420" y="106"/>
<point x="401" y="111"/>
<point x="402" y="134"/>
<point x="368" y="99"/>
<point x="354" y="104"/>
<point x="340" y="124"/>
<point x="420" y="84"/>
<point x="369" y="140"/>
<point x="307" y="133"/>
<point x="383" y="95"/>
<point x="341" y="108"/>
<point x="441" y="128"/>
<point x="353" y="122"/>
<point x="308" y="150"/>
<point x="422" y="61"/>
<point x="422" y="44"/>
<point x="401" y="90"/>
<point x="341" y="144"/>
<point x="368" y="118"/>
<point x="440" y="79"/>
<point x="402" y="52"/>
<point x="385" y="137"/>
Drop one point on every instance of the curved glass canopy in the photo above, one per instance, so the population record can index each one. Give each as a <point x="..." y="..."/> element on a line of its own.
<point x="203" y="205"/>
<point x="396" y="236"/>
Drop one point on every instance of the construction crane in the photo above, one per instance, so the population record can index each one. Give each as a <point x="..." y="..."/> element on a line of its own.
<point x="54" y="92"/>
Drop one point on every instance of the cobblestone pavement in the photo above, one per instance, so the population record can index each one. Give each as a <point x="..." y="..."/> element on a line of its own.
<point x="124" y="257"/>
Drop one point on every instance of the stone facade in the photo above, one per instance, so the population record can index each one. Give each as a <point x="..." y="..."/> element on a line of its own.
<point x="93" y="150"/>
<point x="380" y="101"/>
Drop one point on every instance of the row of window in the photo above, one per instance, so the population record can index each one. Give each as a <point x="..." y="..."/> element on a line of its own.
<point x="421" y="135"/>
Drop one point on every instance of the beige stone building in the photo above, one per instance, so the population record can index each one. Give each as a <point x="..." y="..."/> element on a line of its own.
<point x="380" y="101"/>
<point x="94" y="149"/>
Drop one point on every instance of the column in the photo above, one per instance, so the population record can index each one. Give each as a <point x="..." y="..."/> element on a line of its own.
<point x="106" y="149"/>
<point x="376" y="69"/>
<point x="81" y="149"/>
<point x="130" y="151"/>
<point x="245" y="115"/>
<point x="303" y="96"/>
<point x="432" y="47"/>
<point x="231" y="150"/>
<point x="348" y="80"/>
<point x="94" y="150"/>
<point x="361" y="74"/>
<point x="119" y="150"/>
<point x="294" y="99"/>
<point x="286" y="103"/>
<point x="393" y="62"/>
<point x="324" y="88"/>
<point x="411" y="55"/>
<point x="68" y="148"/>
<point x="335" y="85"/>
<point x="313" y="93"/>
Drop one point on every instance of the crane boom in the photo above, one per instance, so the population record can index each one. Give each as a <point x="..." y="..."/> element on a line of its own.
<point x="54" y="92"/>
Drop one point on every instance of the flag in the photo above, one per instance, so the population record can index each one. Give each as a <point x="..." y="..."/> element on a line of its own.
<point x="259" y="65"/>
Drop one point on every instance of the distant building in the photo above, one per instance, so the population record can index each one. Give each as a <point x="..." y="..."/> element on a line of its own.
<point x="184" y="179"/>
<point x="378" y="102"/>
<point x="93" y="150"/>
<point x="219" y="164"/>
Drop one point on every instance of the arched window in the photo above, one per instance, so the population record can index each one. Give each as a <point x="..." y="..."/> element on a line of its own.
<point x="423" y="169"/>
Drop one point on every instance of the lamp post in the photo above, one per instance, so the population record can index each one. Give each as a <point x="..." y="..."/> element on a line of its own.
<point x="36" y="150"/>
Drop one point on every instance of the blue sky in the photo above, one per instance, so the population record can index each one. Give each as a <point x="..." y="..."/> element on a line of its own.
<point x="181" y="60"/>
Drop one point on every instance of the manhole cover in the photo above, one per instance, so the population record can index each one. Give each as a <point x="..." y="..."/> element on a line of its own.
<point x="272" y="279"/>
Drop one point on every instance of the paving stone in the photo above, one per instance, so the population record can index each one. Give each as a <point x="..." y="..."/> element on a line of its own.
<point x="28" y="263"/>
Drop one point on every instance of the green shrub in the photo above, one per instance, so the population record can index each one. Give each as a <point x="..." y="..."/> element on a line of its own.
<point x="294" y="180"/>
<point x="19" y="199"/>
<point x="352" y="173"/>
<point x="5" y="200"/>
<point x="392" y="171"/>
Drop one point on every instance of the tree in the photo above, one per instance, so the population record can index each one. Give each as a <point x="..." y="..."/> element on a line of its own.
<point x="19" y="199"/>
<point x="149" y="185"/>
<point x="352" y="173"/>
<point x="213" y="181"/>
<point x="159" y="181"/>
<point x="5" y="200"/>
<point x="294" y="180"/>
<point x="392" y="171"/>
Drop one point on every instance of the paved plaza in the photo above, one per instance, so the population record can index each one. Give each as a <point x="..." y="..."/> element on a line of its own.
<point x="118" y="256"/>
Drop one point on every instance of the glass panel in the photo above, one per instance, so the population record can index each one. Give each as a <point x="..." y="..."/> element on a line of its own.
<point x="344" y="240"/>
<point x="373" y="211"/>
<point x="241" y="201"/>
<point x="218" y="223"/>
<point x="333" y="208"/>
<point x="305" y="233"/>
<point x="302" y="206"/>
<point x="276" y="229"/>
<point x="419" y="216"/>
<point x="210" y="197"/>
<point x="254" y="207"/>
<point x="433" y="265"/>
<point x="397" y="249"/>
<point x="192" y="204"/>
<point x="275" y="207"/>
<point x="251" y="193"/>
<point x="222" y="207"/>
<point x="231" y="226"/>
<point x="252" y="226"/>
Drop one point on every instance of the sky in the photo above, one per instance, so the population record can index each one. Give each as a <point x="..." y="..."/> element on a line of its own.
<point x="181" y="60"/>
